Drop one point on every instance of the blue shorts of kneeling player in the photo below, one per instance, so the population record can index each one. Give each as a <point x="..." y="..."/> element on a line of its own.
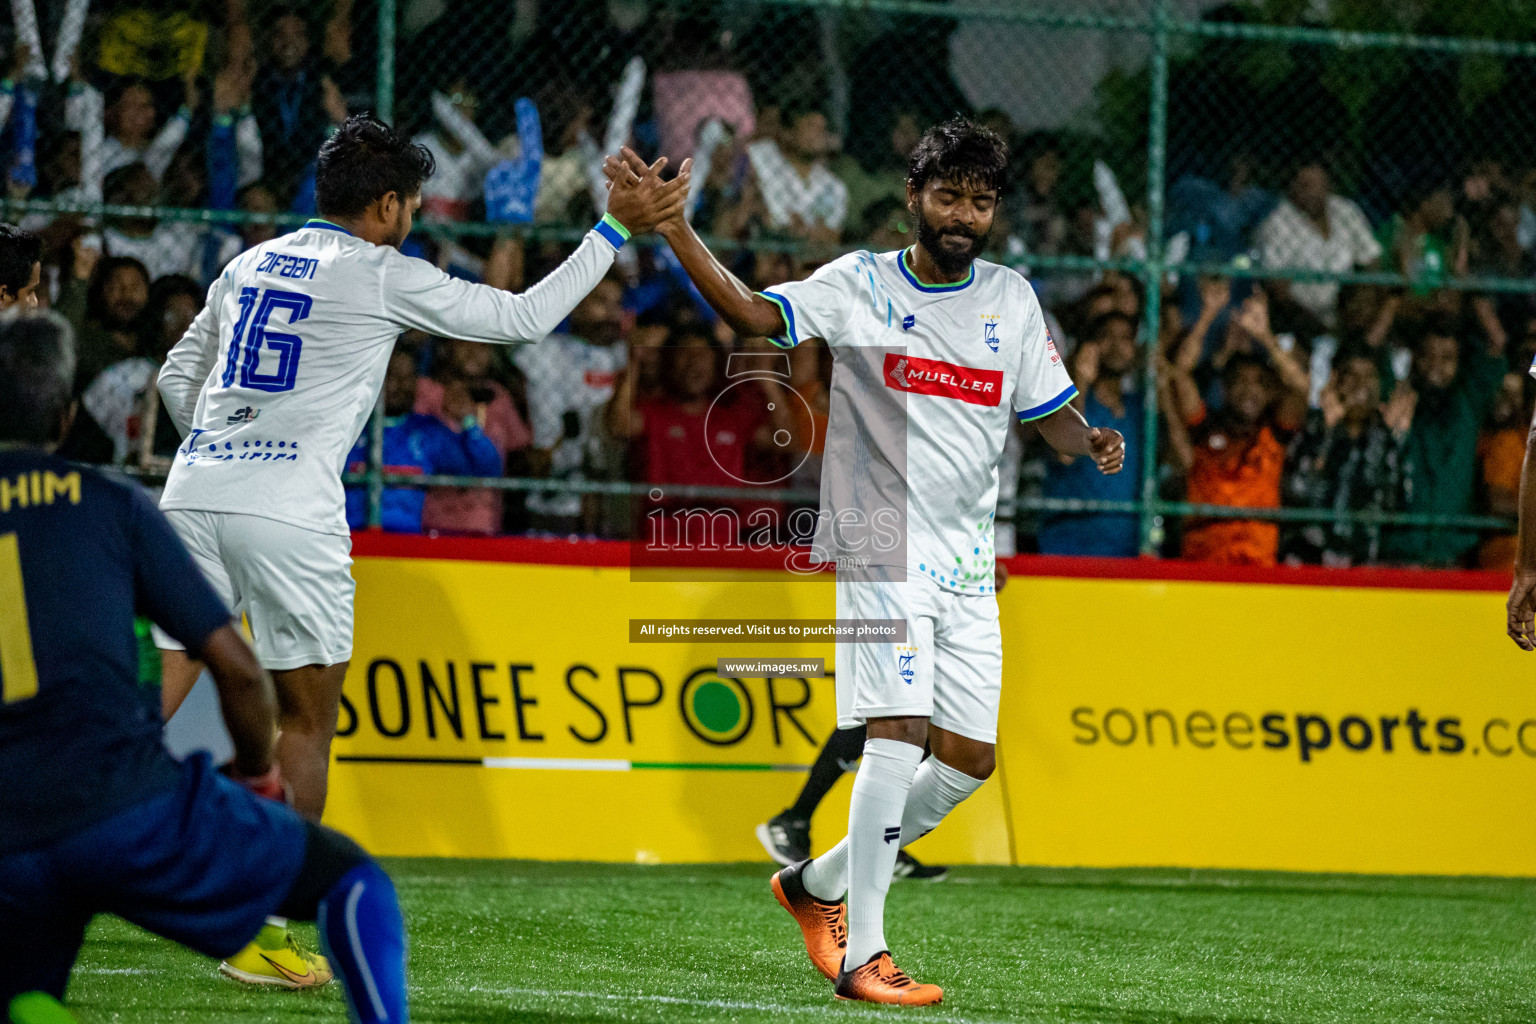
<point x="203" y="864"/>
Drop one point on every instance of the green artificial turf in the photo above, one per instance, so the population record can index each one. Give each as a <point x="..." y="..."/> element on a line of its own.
<point x="526" y="942"/>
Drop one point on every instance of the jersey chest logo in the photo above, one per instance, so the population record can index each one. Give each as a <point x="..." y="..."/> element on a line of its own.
<point x="943" y="380"/>
<point x="989" y="330"/>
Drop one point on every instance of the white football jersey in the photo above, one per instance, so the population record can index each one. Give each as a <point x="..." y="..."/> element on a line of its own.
<point x="574" y="377"/>
<point x="276" y="377"/>
<point x="924" y="380"/>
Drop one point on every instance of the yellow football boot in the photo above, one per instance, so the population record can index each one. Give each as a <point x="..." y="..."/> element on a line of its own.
<point x="274" y="958"/>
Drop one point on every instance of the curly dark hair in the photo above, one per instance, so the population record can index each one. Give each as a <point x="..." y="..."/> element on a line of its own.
<point x="362" y="162"/>
<point x="960" y="151"/>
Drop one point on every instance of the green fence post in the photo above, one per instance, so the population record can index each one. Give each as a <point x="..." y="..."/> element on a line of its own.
<point x="1152" y="273"/>
<point x="384" y="109"/>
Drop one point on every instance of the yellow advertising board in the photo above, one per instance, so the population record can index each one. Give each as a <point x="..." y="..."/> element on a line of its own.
<point x="1290" y="727"/>
<point x="499" y="709"/>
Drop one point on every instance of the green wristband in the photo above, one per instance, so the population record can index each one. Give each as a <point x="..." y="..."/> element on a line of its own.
<point x="616" y="234"/>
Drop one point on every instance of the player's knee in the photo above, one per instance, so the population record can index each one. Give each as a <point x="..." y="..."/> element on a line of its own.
<point x="972" y="757"/>
<point x="980" y="765"/>
<point x="317" y="724"/>
<point x="308" y="700"/>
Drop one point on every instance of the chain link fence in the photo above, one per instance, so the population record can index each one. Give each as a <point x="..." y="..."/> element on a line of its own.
<point x="1316" y="221"/>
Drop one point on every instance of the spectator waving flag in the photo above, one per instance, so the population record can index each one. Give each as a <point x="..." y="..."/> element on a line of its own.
<point x="512" y="186"/>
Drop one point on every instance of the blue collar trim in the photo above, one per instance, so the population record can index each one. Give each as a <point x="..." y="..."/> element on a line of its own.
<point x="906" y="271"/>
<point x="319" y="222"/>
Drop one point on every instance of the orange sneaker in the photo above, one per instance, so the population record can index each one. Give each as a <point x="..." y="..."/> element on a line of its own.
<point x="824" y="925"/>
<point x="881" y="981"/>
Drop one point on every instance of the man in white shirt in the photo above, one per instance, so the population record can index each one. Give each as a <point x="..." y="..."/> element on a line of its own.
<point x="1313" y="229"/>
<point x="933" y="348"/>
<point x="273" y="383"/>
<point x="799" y="192"/>
<point x="575" y="374"/>
<point x="164" y="247"/>
<point x="461" y="153"/>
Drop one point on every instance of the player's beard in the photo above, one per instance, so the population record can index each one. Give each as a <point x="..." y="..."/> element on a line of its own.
<point x="952" y="262"/>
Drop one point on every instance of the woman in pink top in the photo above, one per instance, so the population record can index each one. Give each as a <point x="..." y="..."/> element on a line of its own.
<point x="696" y="85"/>
<point x="462" y="387"/>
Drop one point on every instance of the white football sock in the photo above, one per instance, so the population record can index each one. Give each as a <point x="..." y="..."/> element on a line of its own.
<point x="874" y="833"/>
<point x="936" y="790"/>
<point x="826" y="877"/>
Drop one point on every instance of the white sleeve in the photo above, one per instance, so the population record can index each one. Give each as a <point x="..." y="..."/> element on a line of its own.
<point x="191" y="360"/>
<point x="1357" y="229"/>
<point x="819" y="306"/>
<point x="68" y="41"/>
<point x="1043" y="385"/>
<point x="83" y="114"/>
<point x="839" y="214"/>
<point x="463" y="129"/>
<point x="1273" y="245"/>
<point x="248" y="150"/>
<point x="158" y="156"/>
<point x="417" y="294"/>
<point x="543" y="366"/>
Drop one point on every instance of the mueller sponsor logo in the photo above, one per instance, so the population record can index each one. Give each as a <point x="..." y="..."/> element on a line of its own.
<point x="946" y="380"/>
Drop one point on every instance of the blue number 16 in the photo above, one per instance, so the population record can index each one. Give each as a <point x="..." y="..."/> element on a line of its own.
<point x="286" y="346"/>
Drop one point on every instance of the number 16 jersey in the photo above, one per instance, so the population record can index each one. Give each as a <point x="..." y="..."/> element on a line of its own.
<point x="276" y="377"/>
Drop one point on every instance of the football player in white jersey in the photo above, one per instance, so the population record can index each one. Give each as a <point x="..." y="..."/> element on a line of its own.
<point x="270" y="388"/>
<point x="931" y="347"/>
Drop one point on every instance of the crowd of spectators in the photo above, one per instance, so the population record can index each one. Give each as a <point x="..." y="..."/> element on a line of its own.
<point x="1273" y="392"/>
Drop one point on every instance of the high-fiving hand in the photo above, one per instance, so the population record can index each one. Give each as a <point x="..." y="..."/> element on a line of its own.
<point x="637" y="197"/>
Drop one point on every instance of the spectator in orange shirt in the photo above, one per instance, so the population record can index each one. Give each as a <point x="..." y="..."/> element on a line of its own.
<point x="1236" y="455"/>
<point x="1500" y="454"/>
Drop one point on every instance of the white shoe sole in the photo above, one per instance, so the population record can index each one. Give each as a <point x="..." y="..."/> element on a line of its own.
<point x="766" y="838"/>
<point x="261" y="979"/>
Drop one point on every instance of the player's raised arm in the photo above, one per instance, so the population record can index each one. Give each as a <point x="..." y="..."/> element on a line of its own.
<point x="749" y="314"/>
<point x="416" y="294"/>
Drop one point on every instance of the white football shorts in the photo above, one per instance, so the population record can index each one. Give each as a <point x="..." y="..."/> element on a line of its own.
<point x="950" y="670"/>
<point x="294" y="586"/>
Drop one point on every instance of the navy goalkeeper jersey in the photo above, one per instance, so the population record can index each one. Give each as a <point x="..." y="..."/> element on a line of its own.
<point x="80" y="554"/>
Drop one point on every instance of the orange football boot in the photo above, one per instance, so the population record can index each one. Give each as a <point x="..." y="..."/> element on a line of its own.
<point x="824" y="925"/>
<point x="881" y="981"/>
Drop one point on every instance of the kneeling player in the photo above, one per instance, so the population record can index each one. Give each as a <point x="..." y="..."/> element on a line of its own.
<point x="96" y="817"/>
